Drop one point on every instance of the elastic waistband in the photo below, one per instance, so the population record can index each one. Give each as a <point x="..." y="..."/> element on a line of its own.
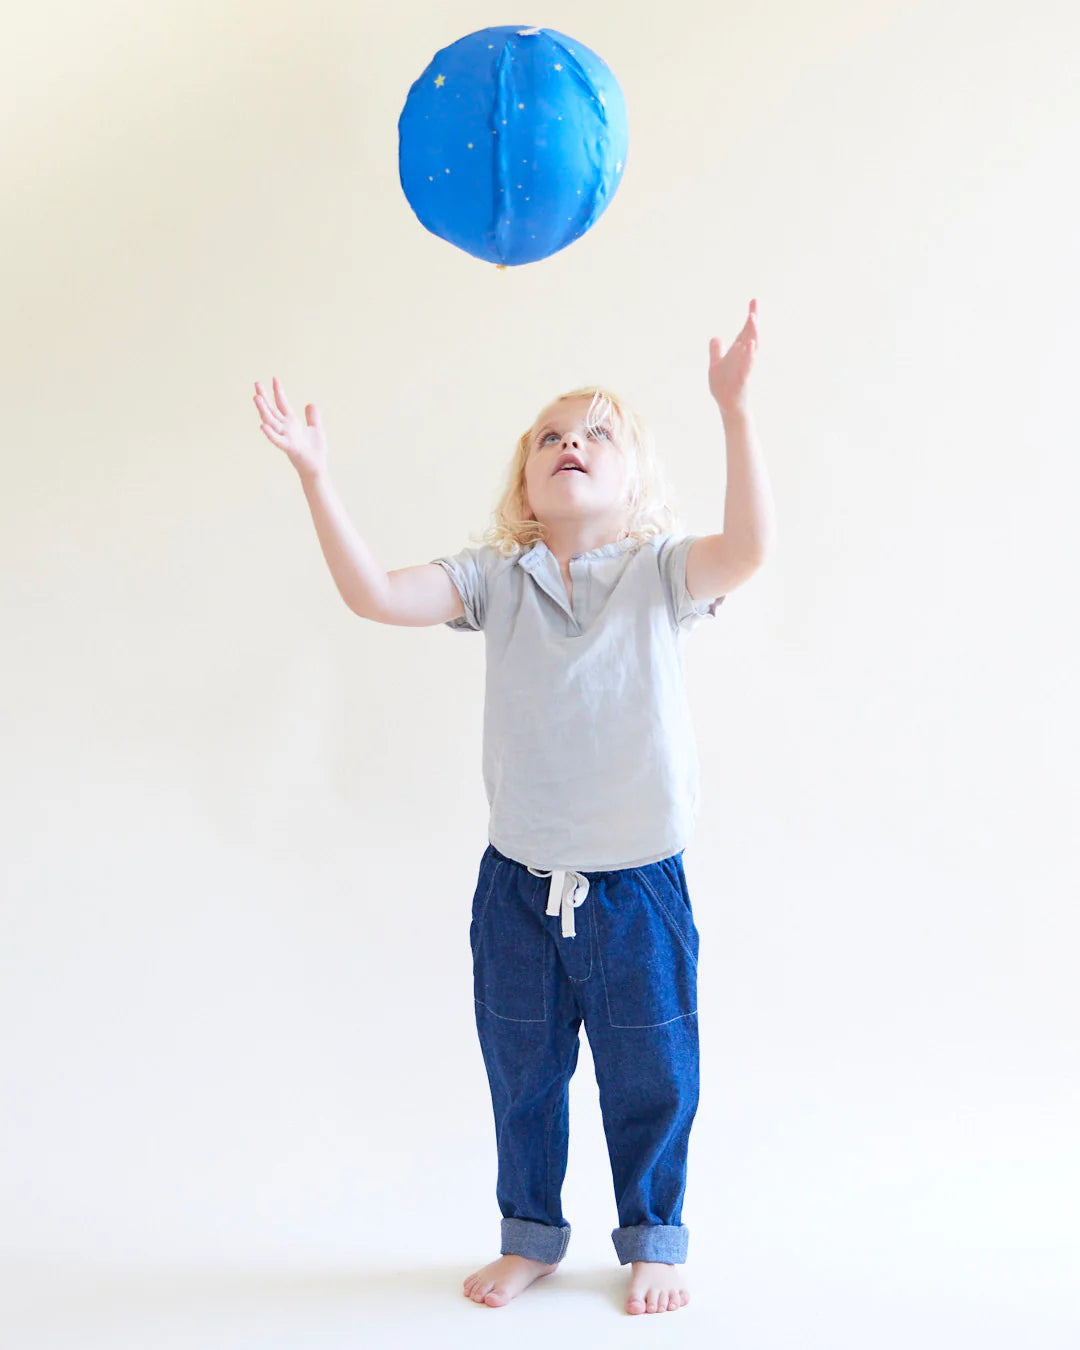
<point x="567" y="891"/>
<point x="568" y="888"/>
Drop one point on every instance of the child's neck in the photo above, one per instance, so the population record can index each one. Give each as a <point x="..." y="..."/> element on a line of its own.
<point x="566" y="540"/>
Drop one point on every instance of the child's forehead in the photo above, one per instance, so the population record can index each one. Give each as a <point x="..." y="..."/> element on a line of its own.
<point x="568" y="410"/>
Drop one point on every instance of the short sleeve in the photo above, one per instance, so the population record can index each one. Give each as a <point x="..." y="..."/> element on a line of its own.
<point x="686" y="611"/>
<point x="466" y="570"/>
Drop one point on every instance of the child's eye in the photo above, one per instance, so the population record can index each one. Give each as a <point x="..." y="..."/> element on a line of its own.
<point x="593" y="431"/>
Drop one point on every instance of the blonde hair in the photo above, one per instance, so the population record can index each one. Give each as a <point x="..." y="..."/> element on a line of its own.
<point x="650" y="509"/>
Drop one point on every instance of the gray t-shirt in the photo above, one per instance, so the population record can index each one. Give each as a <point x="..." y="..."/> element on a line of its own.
<point x="589" y="756"/>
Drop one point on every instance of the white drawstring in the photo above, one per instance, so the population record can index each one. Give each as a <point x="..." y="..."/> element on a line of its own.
<point x="568" y="889"/>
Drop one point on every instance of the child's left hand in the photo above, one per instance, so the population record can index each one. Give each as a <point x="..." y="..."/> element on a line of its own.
<point x="728" y="373"/>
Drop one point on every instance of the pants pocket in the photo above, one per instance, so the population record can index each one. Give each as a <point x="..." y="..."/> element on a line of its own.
<point x="508" y="946"/>
<point x="648" y="945"/>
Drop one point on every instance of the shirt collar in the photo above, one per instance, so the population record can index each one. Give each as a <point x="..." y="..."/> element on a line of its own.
<point x="534" y="556"/>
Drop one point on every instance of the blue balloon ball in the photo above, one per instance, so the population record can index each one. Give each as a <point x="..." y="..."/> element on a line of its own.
<point x="512" y="143"/>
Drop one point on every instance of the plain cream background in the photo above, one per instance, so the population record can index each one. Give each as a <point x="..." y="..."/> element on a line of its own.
<point x="241" y="827"/>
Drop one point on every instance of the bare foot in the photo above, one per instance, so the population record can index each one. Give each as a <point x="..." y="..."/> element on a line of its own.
<point x="504" y="1279"/>
<point x="655" y="1286"/>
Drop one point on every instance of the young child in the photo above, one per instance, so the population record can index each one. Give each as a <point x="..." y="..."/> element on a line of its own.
<point x="581" y="911"/>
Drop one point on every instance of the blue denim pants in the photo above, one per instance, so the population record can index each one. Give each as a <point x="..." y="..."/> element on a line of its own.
<point x="630" y="974"/>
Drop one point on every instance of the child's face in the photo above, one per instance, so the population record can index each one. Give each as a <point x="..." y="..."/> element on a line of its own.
<point x="595" y="495"/>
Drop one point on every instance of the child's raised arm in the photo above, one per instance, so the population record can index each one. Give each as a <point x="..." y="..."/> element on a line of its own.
<point x="411" y="596"/>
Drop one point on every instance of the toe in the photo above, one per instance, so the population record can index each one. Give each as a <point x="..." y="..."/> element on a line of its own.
<point x="635" y="1304"/>
<point x="497" y="1298"/>
<point x="650" y="1301"/>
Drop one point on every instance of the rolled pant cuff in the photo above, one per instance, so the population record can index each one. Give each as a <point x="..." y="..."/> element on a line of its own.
<point x="652" y="1242"/>
<point x="537" y="1241"/>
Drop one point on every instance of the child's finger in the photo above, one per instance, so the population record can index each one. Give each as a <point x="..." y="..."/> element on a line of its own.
<point x="282" y="401"/>
<point x="267" y="413"/>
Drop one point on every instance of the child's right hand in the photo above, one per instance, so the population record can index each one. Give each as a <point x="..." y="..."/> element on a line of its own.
<point x="305" y="444"/>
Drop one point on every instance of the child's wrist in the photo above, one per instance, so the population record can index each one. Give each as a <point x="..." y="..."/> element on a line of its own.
<point x="737" y="413"/>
